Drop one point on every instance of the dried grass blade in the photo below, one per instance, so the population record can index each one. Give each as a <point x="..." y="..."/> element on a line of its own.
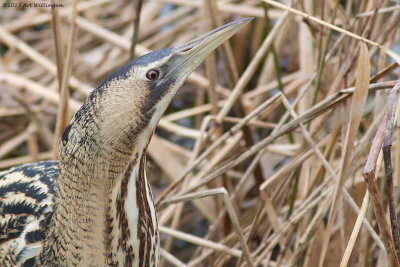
<point x="356" y="231"/>
<point x="171" y="259"/>
<point x="200" y="241"/>
<point x="356" y="112"/>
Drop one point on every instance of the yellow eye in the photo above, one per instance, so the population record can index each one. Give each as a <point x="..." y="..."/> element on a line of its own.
<point x="152" y="75"/>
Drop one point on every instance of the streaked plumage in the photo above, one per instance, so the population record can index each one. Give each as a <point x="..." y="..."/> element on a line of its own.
<point x="27" y="197"/>
<point x="94" y="206"/>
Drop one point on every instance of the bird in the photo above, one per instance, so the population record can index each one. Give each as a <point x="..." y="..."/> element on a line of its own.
<point x="94" y="206"/>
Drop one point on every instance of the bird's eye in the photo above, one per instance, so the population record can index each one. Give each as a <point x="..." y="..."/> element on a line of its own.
<point x="152" y="75"/>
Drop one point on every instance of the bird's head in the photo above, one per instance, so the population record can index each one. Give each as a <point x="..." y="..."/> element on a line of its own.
<point x="131" y="101"/>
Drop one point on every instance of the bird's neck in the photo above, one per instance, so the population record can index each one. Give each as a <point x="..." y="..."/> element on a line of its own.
<point x="104" y="207"/>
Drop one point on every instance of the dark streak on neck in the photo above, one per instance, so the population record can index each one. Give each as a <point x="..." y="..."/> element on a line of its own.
<point x="145" y="228"/>
<point x="108" y="236"/>
<point x="124" y="233"/>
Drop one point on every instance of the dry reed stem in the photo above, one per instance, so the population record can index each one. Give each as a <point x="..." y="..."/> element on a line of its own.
<point x="355" y="232"/>
<point x="8" y="163"/>
<point x="356" y="112"/>
<point x="369" y="177"/>
<point x="64" y="72"/>
<point x="171" y="259"/>
<point x="386" y="149"/>
<point x="58" y="42"/>
<point x="136" y="25"/>
<point x="200" y="241"/>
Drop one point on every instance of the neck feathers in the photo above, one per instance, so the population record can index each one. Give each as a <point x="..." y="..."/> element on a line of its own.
<point x="104" y="210"/>
<point x="133" y="233"/>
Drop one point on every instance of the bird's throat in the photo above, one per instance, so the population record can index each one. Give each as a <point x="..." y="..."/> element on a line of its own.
<point x="106" y="217"/>
<point x="134" y="217"/>
<point x="104" y="205"/>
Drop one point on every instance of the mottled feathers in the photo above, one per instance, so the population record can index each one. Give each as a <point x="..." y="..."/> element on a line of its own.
<point x="26" y="206"/>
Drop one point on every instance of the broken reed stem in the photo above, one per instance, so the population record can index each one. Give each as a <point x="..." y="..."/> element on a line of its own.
<point x="387" y="157"/>
<point x="390" y="195"/>
<point x="369" y="177"/>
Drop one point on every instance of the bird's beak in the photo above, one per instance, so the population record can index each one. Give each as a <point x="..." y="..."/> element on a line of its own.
<point x="189" y="55"/>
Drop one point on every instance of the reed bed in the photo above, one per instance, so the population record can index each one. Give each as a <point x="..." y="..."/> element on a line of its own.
<point x="282" y="149"/>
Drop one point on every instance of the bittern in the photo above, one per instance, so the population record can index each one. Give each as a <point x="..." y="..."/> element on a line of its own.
<point x="94" y="206"/>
